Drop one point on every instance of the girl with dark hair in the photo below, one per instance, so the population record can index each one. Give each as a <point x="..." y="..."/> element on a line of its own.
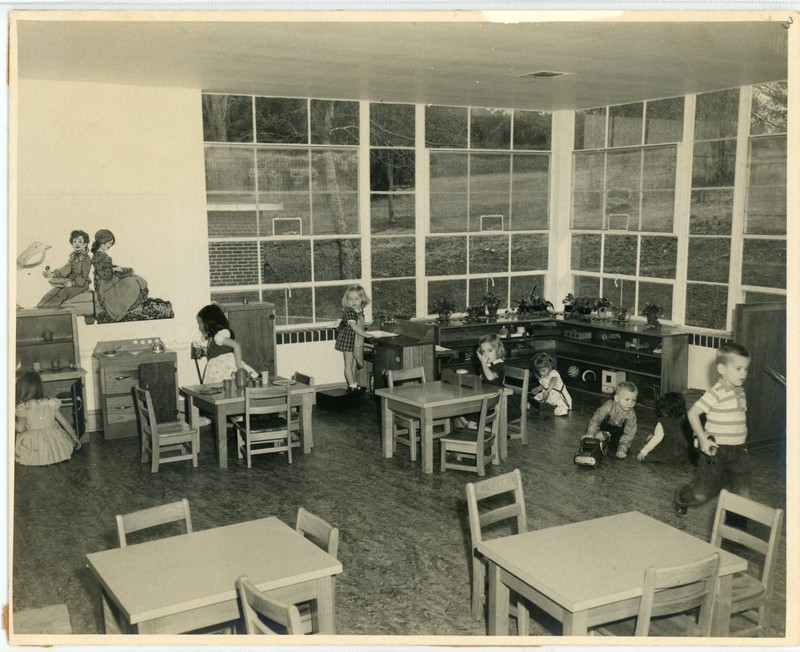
<point x="669" y="442"/>
<point x="224" y="353"/>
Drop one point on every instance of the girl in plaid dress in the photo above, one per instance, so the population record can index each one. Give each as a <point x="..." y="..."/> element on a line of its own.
<point x="351" y="333"/>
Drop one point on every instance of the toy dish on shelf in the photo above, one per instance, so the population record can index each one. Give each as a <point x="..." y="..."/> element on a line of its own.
<point x="284" y="381"/>
<point x="109" y="354"/>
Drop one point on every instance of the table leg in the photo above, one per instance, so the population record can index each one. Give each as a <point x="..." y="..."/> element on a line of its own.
<point x="498" y="600"/>
<point x="387" y="423"/>
<point x="503" y="427"/>
<point x="575" y="624"/>
<point x="193" y="416"/>
<point x="325" y="613"/>
<point x="308" y="432"/>
<point x="109" y="617"/>
<point x="221" y="427"/>
<point x="426" y="433"/>
<point x="721" y="617"/>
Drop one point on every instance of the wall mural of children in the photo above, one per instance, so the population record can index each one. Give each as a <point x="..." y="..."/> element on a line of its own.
<point x="121" y="295"/>
<point x="73" y="278"/>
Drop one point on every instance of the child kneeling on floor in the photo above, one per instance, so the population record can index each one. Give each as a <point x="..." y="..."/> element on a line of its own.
<point x="614" y="422"/>
<point x="550" y="389"/>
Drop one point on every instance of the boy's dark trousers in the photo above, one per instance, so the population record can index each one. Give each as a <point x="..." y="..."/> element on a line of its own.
<point x="729" y="466"/>
<point x="614" y="432"/>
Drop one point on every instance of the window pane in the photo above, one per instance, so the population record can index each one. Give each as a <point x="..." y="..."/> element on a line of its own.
<point x="281" y="120"/>
<point x="620" y="292"/>
<point x="768" y="112"/>
<point x="488" y="253"/>
<point x="763" y="297"/>
<point x="490" y="129"/>
<point x="391" y="169"/>
<point x="480" y="286"/>
<point x="529" y="251"/>
<point x="394" y="298"/>
<point x="445" y="256"/>
<point x="590" y="128"/>
<point x="445" y="126"/>
<point x="664" y="121"/>
<point x="233" y="263"/>
<point x="585" y="286"/>
<point x="658" y="257"/>
<point x="229" y="170"/>
<point x="335" y="208"/>
<point x="711" y="212"/>
<point x="532" y="129"/>
<point x="659" y="293"/>
<point x="294" y="309"/>
<point x="283" y="181"/>
<point x="659" y="168"/>
<point x="334" y="122"/>
<point x="707" y="305"/>
<point x="625" y="124"/>
<point x="530" y="192"/>
<point x="286" y="261"/>
<point x="658" y="210"/>
<point x="620" y="254"/>
<point x="392" y="257"/>
<point x="766" y="196"/>
<point x="391" y="213"/>
<point x="521" y="287"/>
<point x="716" y="115"/>
<point x="454" y="291"/>
<point x="222" y="224"/>
<point x="335" y="213"/>
<point x="489" y="187"/>
<point x="328" y="302"/>
<point x="391" y="125"/>
<point x="586" y="252"/>
<point x="764" y="263"/>
<point x="709" y="259"/>
<point x="227" y="118"/>
<point x="448" y="192"/>
<point x="336" y="260"/>
<point x="622" y="189"/>
<point x="587" y="196"/>
<point x="713" y="164"/>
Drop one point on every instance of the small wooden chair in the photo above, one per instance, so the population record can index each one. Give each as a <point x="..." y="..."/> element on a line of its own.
<point x="751" y="591"/>
<point x="143" y="519"/>
<point x="266" y="424"/>
<point x="479" y="445"/>
<point x="297" y="412"/>
<point x="669" y="594"/>
<point x="265" y="615"/>
<point x="324" y="535"/>
<point x="515" y="513"/>
<point x="520" y="379"/>
<point x="172" y="441"/>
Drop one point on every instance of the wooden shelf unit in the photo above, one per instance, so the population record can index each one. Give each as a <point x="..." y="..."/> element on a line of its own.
<point x="58" y="357"/>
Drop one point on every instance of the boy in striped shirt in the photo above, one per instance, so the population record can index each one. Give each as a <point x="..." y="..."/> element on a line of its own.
<point x="722" y="441"/>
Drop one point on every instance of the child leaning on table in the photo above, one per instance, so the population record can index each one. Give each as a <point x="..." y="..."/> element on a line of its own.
<point x="722" y="440"/>
<point x="668" y="443"/>
<point x="490" y="354"/>
<point x="614" y="422"/>
<point x="224" y="353"/>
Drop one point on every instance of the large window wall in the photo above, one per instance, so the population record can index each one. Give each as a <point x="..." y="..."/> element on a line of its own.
<point x="634" y="241"/>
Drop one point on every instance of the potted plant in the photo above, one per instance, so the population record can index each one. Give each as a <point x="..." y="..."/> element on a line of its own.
<point x="533" y="304"/>
<point x="475" y="312"/>
<point x="444" y="307"/>
<point x="492" y="302"/>
<point x="569" y="302"/>
<point x="603" y="307"/>
<point x="652" y="311"/>
<point x="583" y="305"/>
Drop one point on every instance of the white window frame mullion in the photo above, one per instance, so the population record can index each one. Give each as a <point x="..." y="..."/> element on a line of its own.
<point x="364" y="230"/>
<point x="422" y="207"/>
<point x="683" y="203"/>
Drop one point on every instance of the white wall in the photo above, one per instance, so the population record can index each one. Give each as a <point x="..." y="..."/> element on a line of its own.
<point x="124" y="158"/>
<point x="702" y="367"/>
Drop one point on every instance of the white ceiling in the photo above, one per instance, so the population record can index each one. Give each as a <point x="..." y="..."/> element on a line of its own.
<point x="450" y="58"/>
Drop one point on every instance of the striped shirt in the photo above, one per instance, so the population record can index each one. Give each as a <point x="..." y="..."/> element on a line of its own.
<point x="725" y="408"/>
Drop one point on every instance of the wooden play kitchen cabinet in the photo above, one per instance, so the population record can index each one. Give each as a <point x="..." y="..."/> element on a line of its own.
<point x="47" y="342"/>
<point x="125" y="363"/>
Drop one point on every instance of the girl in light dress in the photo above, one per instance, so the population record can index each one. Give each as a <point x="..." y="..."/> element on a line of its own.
<point x="224" y="353"/>
<point x="550" y="388"/>
<point x="490" y="354"/>
<point x="43" y="435"/>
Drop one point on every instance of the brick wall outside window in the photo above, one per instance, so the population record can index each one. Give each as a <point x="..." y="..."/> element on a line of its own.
<point x="233" y="263"/>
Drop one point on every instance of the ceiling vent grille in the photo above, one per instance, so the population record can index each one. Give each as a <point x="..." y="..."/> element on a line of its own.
<point x="545" y="73"/>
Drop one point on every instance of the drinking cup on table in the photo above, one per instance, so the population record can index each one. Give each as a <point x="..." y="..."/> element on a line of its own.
<point x="37" y="366"/>
<point x="228" y="386"/>
<point x="265" y="377"/>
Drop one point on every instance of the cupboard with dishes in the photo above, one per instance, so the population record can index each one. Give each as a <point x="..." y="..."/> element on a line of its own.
<point x="47" y="343"/>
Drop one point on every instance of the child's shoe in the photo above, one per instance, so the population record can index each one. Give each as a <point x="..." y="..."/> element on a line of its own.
<point x="561" y="411"/>
<point x="472" y="425"/>
<point x="678" y="507"/>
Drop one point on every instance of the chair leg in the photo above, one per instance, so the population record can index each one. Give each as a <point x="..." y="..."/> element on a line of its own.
<point x="523" y="618"/>
<point x="478" y="589"/>
<point x="412" y="440"/>
<point x="154" y="457"/>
